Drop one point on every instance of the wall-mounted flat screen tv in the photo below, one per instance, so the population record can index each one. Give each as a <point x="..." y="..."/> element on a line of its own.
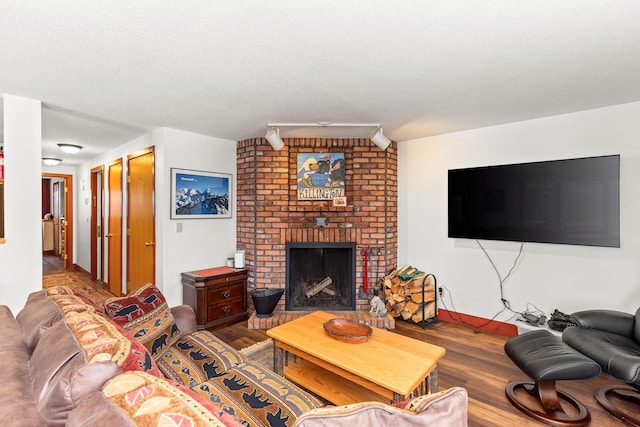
<point x="573" y="201"/>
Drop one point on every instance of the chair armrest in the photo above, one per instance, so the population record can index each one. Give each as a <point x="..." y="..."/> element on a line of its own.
<point x="616" y="322"/>
<point x="185" y="318"/>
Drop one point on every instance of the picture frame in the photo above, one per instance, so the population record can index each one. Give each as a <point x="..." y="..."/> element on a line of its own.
<point x="200" y="194"/>
<point x="340" y="201"/>
<point x="320" y="176"/>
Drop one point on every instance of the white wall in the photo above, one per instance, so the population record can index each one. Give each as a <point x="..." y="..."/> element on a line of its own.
<point x="203" y="243"/>
<point x="565" y="277"/>
<point x="21" y="254"/>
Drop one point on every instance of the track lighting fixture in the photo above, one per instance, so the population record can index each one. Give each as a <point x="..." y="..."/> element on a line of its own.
<point x="273" y="133"/>
<point x="273" y="137"/>
<point x="70" y="148"/>
<point x="380" y="140"/>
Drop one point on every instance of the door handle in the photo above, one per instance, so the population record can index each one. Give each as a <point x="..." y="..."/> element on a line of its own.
<point x="149" y="243"/>
<point x="108" y="235"/>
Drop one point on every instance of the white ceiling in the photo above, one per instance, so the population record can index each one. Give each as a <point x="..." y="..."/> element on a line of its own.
<point x="110" y="71"/>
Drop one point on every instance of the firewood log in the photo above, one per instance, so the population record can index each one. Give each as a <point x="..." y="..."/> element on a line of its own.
<point x="411" y="307"/>
<point x="429" y="312"/>
<point x="314" y="289"/>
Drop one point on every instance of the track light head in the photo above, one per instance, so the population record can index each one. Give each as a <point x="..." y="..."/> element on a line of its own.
<point x="273" y="137"/>
<point x="380" y="140"/>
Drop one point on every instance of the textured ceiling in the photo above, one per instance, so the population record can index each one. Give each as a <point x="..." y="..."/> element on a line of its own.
<point x="107" y="72"/>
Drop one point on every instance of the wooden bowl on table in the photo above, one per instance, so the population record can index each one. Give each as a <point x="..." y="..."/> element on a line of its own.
<point x="347" y="330"/>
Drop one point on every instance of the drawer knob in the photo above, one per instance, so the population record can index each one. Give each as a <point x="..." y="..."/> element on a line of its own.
<point x="226" y="294"/>
<point x="226" y="309"/>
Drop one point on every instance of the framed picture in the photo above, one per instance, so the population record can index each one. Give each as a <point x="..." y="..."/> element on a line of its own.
<point x="198" y="194"/>
<point x="320" y="176"/>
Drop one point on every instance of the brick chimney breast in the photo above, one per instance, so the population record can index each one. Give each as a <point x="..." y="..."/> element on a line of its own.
<point x="269" y="214"/>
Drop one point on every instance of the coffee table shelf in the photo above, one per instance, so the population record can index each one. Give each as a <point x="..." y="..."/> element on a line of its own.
<point x="326" y="384"/>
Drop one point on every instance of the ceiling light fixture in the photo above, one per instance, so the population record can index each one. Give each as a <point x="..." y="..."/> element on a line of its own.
<point x="273" y="137"/>
<point x="50" y="161"/>
<point x="380" y="140"/>
<point x="70" y="148"/>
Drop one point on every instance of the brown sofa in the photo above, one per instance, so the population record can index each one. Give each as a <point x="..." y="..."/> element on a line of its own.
<point x="141" y="363"/>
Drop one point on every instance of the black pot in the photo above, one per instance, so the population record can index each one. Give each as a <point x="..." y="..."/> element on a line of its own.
<point x="265" y="300"/>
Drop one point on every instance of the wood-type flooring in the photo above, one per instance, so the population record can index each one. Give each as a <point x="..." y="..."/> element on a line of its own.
<point x="476" y="361"/>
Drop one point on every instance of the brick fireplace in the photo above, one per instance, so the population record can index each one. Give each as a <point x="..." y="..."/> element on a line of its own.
<point x="269" y="214"/>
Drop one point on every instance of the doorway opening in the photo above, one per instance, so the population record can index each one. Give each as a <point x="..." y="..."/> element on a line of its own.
<point x="57" y="222"/>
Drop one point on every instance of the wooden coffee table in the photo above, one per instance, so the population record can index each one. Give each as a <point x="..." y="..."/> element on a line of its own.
<point x="387" y="368"/>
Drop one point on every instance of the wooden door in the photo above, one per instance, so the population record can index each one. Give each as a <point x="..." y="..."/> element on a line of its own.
<point x="141" y="252"/>
<point x="114" y="233"/>
<point x="97" y="226"/>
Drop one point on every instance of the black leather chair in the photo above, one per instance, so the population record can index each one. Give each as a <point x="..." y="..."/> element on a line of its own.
<point x="612" y="339"/>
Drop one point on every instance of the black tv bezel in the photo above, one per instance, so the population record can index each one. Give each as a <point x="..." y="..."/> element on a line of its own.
<point x="612" y="240"/>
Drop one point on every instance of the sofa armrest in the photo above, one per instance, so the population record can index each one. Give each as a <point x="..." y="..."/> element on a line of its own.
<point x="616" y="322"/>
<point x="185" y="318"/>
<point x="445" y="409"/>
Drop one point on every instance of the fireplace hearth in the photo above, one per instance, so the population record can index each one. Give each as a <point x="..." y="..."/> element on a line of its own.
<point x="320" y="276"/>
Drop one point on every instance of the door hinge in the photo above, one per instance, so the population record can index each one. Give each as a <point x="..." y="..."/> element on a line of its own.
<point x="128" y="179"/>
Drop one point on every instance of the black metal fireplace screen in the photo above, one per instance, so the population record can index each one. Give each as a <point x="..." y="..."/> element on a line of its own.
<point x="320" y="276"/>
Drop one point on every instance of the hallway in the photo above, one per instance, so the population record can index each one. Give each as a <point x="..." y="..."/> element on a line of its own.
<point x="51" y="264"/>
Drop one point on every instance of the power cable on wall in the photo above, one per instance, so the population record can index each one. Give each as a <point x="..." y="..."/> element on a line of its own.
<point x="501" y="280"/>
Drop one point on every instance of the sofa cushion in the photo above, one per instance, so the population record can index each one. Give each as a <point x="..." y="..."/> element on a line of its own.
<point x="138" y="399"/>
<point x="256" y="396"/>
<point x="38" y="315"/>
<point x="17" y="400"/>
<point x="445" y="409"/>
<point x="62" y="375"/>
<point x="146" y="315"/>
<point x="197" y="357"/>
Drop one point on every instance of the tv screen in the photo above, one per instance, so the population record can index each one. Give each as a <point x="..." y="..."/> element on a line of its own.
<point x="573" y="201"/>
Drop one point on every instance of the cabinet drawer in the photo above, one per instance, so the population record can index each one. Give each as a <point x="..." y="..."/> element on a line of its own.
<point x="217" y="295"/>
<point x="214" y="281"/>
<point x="224" y="309"/>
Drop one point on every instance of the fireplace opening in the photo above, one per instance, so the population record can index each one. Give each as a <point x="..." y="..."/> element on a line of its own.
<point x="320" y="276"/>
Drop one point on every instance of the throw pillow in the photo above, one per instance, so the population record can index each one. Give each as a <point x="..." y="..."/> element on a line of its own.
<point x="147" y="316"/>
<point x="444" y="409"/>
<point x="102" y="340"/>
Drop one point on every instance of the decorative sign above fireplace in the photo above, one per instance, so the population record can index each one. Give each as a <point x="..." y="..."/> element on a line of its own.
<point x="320" y="176"/>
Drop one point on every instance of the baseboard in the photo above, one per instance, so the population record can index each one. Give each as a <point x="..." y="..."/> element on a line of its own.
<point x="76" y="267"/>
<point x="495" y="326"/>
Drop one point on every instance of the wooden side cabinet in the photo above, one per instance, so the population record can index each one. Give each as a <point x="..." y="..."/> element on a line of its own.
<point x="218" y="296"/>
